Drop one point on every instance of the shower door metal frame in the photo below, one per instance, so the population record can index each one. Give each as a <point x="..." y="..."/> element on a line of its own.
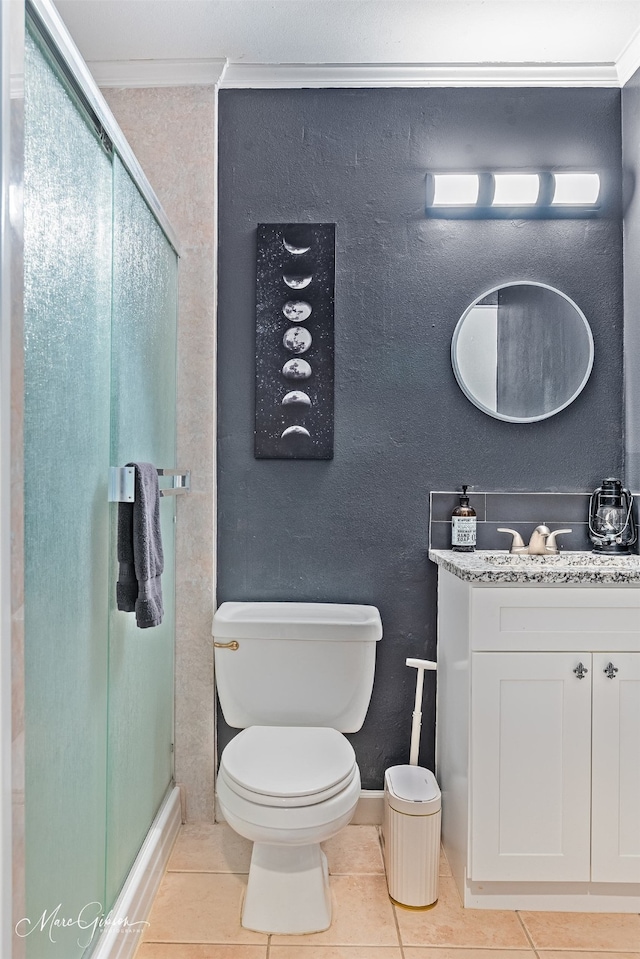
<point x="11" y="369"/>
<point x="5" y="509"/>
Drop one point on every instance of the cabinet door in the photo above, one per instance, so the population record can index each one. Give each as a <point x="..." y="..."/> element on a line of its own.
<point x="530" y="769"/>
<point x="616" y="768"/>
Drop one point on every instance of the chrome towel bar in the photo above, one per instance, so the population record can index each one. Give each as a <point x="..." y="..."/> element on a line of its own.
<point x="121" y="483"/>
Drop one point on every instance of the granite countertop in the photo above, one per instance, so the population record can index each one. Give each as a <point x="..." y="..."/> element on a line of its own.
<point x="571" y="568"/>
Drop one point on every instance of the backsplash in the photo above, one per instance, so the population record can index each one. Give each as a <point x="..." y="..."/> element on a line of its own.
<point x="521" y="511"/>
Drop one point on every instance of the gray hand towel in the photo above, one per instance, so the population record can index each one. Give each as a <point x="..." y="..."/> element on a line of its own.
<point x="140" y="556"/>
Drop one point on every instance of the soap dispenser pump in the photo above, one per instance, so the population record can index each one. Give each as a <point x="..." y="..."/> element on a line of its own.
<point x="463" y="526"/>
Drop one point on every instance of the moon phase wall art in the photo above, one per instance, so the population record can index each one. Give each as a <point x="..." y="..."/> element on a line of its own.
<point x="295" y="284"/>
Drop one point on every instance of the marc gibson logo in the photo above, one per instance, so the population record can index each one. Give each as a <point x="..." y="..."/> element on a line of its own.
<point x="90" y="920"/>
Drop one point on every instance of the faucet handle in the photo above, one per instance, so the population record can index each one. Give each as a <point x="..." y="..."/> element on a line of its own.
<point x="551" y="545"/>
<point x="517" y="544"/>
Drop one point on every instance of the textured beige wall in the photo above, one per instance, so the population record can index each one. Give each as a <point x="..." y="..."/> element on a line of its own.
<point x="172" y="132"/>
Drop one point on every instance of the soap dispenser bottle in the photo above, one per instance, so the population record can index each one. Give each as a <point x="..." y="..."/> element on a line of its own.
<point x="463" y="526"/>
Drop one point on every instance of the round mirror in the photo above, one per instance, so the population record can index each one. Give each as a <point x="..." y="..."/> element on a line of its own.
<point x="522" y="351"/>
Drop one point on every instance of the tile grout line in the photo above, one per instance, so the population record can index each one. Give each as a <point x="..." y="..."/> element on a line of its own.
<point x="527" y="933"/>
<point x="393" y="908"/>
<point x="207" y="872"/>
<point x="395" y="919"/>
<point x="541" y="952"/>
<point x="220" y="872"/>
<point x="268" y="952"/>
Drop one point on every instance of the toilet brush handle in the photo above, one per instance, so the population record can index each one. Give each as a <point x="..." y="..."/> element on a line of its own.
<point x="416" y="725"/>
<point x="422" y="663"/>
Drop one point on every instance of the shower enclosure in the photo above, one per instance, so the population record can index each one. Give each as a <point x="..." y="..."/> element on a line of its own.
<point x="100" y="353"/>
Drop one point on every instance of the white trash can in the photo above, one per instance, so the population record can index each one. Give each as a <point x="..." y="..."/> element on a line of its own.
<point x="411" y="834"/>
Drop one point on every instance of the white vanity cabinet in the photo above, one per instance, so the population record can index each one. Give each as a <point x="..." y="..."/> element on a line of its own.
<point x="538" y="743"/>
<point x="555" y="767"/>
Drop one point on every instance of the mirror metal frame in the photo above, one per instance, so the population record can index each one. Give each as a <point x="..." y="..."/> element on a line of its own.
<point x="502" y="416"/>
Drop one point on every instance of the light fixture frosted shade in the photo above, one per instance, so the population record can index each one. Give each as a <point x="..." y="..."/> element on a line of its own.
<point x="455" y="189"/>
<point x="576" y="189"/>
<point x="515" y="189"/>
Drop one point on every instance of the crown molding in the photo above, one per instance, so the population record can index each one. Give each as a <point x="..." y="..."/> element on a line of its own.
<point x="156" y="73"/>
<point x="296" y="75"/>
<point x="629" y="60"/>
<point x="176" y="73"/>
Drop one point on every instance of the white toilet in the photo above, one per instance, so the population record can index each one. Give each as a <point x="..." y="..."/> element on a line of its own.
<point x="293" y="677"/>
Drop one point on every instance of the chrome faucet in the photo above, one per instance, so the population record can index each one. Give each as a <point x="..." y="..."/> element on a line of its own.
<point x="538" y="542"/>
<point x="542" y="542"/>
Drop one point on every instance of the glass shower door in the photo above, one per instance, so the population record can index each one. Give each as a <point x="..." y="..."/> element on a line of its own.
<point x="67" y="308"/>
<point x="143" y="427"/>
<point x="100" y="390"/>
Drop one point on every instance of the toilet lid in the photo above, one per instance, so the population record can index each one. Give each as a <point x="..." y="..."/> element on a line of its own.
<point x="287" y="762"/>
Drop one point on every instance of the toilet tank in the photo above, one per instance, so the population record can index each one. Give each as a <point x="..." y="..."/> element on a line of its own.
<point x="296" y="664"/>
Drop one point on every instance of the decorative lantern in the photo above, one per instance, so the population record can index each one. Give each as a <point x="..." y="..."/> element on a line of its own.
<point x="611" y="526"/>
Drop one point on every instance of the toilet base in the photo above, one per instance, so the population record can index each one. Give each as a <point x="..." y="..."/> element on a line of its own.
<point x="288" y="890"/>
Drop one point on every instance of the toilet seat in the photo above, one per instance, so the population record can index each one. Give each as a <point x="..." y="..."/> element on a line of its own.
<point x="288" y="802"/>
<point x="285" y="766"/>
<point x="293" y="825"/>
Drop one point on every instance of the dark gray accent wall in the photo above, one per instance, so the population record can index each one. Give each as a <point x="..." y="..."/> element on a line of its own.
<point x="631" y="167"/>
<point x="356" y="529"/>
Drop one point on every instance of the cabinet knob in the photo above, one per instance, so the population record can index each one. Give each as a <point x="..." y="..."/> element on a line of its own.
<point x="610" y="671"/>
<point x="581" y="671"/>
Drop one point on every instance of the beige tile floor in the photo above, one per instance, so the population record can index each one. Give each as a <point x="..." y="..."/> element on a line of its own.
<point x="196" y="913"/>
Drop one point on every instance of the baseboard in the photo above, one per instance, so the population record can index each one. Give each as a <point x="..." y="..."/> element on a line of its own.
<point x="553" y="896"/>
<point x="368" y="812"/>
<point x="127" y="920"/>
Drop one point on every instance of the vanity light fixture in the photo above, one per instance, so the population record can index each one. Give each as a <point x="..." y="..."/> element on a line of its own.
<point x="512" y="195"/>
<point x="455" y="189"/>
<point x="515" y="189"/>
<point x="576" y="189"/>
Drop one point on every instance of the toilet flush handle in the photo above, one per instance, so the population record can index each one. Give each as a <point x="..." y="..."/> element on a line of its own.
<point x="234" y="644"/>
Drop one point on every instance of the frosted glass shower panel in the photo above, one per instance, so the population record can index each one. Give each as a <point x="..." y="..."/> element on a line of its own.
<point x="143" y="429"/>
<point x="67" y="304"/>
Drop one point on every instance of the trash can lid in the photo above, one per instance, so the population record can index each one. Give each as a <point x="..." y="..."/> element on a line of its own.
<point x="412" y="790"/>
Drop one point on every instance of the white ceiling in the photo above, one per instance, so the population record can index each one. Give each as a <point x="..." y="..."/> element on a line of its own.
<point x="570" y="32"/>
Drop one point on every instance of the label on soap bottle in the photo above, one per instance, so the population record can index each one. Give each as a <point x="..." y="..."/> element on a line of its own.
<point x="463" y="531"/>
